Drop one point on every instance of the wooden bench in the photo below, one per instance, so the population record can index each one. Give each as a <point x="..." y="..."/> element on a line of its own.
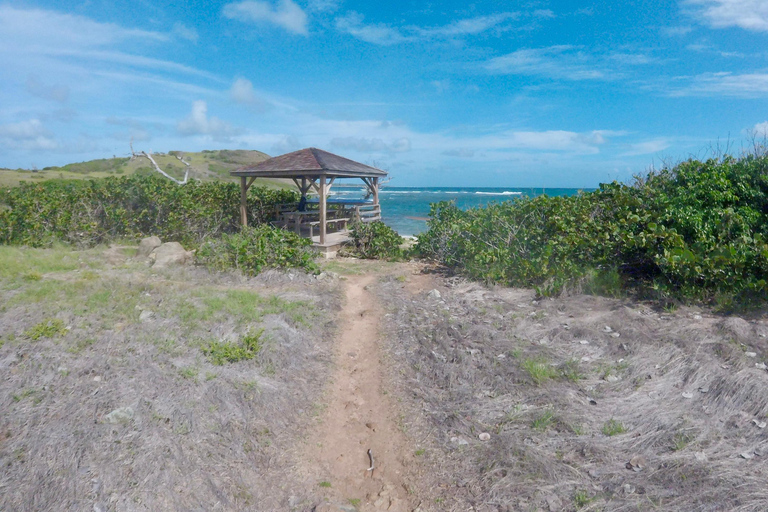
<point x="342" y="220"/>
<point x="368" y="213"/>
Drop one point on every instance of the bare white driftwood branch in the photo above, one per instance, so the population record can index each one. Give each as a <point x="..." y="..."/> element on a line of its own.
<point x="158" y="169"/>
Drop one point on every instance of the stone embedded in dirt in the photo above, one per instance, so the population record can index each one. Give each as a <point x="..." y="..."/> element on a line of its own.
<point x="747" y="455"/>
<point x="583" y="342"/>
<point x="637" y="463"/>
<point x="554" y="503"/>
<point x="146" y="316"/>
<point x="761" y="366"/>
<point x="434" y="294"/>
<point x="700" y="456"/>
<point x="120" y="415"/>
<point x="170" y="253"/>
<point x="607" y="328"/>
<point x="614" y="335"/>
<point x="97" y="378"/>
<point x="592" y="401"/>
<point x="687" y="395"/>
<point x="147" y="245"/>
<point x="697" y="317"/>
<point x="750" y="354"/>
<point x="760" y="424"/>
<point x="501" y="356"/>
<point x="485" y="436"/>
<point x="459" y="441"/>
<point x="612" y="378"/>
<point x="473" y="351"/>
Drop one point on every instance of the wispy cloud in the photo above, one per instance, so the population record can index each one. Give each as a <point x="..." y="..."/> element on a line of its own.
<point x="55" y="92"/>
<point x="286" y="14"/>
<point x="746" y="14"/>
<point x="747" y="85"/>
<point x="761" y="129"/>
<point x="242" y="92"/>
<point x="353" y="23"/>
<point x="198" y="123"/>
<point x="185" y="32"/>
<point x="374" y="145"/>
<point x="562" y="61"/>
<point x="647" y="147"/>
<point x="468" y="26"/>
<point x="377" y="33"/>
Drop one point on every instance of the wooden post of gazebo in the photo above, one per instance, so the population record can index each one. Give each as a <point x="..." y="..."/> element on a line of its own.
<point x="323" y="209"/>
<point x="375" y="191"/>
<point x="243" y="201"/>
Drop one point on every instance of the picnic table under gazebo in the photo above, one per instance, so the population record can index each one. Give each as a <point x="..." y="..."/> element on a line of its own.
<point x="318" y="170"/>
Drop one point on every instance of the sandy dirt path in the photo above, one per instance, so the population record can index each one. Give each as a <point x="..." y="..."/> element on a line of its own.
<point x="359" y="417"/>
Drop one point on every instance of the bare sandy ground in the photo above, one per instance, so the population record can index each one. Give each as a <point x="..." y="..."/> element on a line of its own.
<point x="469" y="397"/>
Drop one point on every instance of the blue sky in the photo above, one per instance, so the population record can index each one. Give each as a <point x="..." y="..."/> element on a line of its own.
<point x="541" y="93"/>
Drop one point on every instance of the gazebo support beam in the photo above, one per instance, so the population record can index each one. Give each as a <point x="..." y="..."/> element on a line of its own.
<point x="245" y="184"/>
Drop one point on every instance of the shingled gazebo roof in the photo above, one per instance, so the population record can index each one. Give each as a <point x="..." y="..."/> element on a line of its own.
<point x="309" y="162"/>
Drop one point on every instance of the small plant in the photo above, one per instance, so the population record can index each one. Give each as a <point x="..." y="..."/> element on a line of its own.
<point x="222" y="352"/>
<point x="540" y="370"/>
<point x="355" y="502"/>
<point x="419" y="452"/>
<point x="189" y="373"/>
<point x="543" y="422"/>
<point x="581" y="499"/>
<point x="325" y="484"/>
<point x="570" y="370"/>
<point x="680" y="440"/>
<point x="613" y="427"/>
<point x="50" y="328"/>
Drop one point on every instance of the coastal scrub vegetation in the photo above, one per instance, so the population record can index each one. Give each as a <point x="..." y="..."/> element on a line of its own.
<point x="89" y="212"/>
<point x="253" y="249"/>
<point x="376" y="240"/>
<point x="693" y="231"/>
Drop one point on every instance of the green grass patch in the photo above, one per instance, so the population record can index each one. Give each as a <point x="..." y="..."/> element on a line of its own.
<point x="223" y="352"/>
<point x="326" y="485"/>
<point x="613" y="427"/>
<point x="540" y="370"/>
<point x="50" y="328"/>
<point x="543" y="421"/>
<point x="581" y="499"/>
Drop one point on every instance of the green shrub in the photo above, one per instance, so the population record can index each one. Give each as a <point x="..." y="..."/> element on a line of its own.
<point x="695" y="231"/>
<point x="89" y="212"/>
<point x="256" y="248"/>
<point x="222" y="352"/>
<point x="376" y="240"/>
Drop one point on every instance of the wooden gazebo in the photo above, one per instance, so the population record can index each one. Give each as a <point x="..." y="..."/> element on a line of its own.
<point x="309" y="168"/>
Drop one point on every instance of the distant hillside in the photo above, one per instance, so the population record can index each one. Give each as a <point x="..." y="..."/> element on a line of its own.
<point x="205" y="165"/>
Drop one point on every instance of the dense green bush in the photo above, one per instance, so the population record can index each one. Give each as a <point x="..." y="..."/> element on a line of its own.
<point x="376" y="240"/>
<point x="256" y="248"/>
<point x="89" y="212"/>
<point x="693" y="231"/>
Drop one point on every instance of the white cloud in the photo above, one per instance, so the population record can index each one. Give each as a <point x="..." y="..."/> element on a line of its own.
<point x="242" y="92"/>
<point x="379" y="33"/>
<point x="286" y="14"/>
<point x="27" y="135"/>
<point x="746" y="14"/>
<point x="562" y="61"/>
<point x="185" y="32"/>
<point x="374" y="145"/>
<point x="748" y="85"/>
<point x="647" y="147"/>
<point x="198" y="123"/>
<point x="460" y="153"/>
<point x="761" y="129"/>
<point x="285" y="144"/>
<point x="55" y="92"/>
<point x="323" y="5"/>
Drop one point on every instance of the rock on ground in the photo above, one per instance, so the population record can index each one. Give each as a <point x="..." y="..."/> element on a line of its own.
<point x="147" y="245"/>
<point x="170" y="253"/>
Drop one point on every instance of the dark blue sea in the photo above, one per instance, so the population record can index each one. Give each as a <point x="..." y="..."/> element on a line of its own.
<point x="406" y="208"/>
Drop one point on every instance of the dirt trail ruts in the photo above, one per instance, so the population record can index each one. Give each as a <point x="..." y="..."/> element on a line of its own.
<point x="359" y="417"/>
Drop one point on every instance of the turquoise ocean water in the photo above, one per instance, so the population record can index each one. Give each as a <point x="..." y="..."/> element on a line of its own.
<point x="404" y="208"/>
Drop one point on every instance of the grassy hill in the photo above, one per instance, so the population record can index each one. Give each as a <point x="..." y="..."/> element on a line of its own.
<point x="204" y="165"/>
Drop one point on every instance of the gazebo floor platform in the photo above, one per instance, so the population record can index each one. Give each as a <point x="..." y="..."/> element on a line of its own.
<point x="333" y="242"/>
